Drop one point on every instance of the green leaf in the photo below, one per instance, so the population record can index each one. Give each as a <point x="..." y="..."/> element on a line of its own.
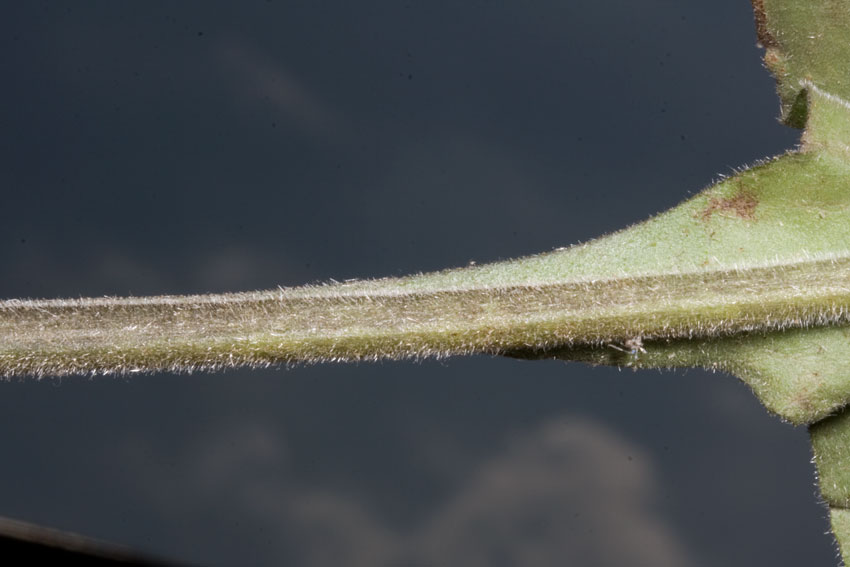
<point x="840" y="519"/>
<point x="831" y="444"/>
<point x="788" y="212"/>
<point x="806" y="43"/>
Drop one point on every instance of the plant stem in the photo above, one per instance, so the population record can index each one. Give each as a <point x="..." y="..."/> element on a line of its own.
<point x="379" y="319"/>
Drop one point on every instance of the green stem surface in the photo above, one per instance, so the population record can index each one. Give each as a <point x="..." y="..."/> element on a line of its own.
<point x="353" y="322"/>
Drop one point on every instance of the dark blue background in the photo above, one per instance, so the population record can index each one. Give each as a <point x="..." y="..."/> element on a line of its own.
<point x="164" y="147"/>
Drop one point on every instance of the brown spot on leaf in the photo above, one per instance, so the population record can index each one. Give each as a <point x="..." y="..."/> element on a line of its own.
<point x="765" y="38"/>
<point x="775" y="62"/>
<point x="742" y="205"/>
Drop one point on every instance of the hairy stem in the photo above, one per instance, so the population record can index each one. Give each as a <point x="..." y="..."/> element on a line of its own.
<point x="372" y="320"/>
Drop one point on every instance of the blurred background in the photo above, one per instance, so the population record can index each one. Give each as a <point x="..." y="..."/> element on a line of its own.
<point x="161" y="147"/>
